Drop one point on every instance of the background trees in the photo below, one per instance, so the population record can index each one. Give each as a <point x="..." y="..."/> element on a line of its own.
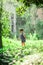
<point x="27" y="18"/>
<point x="30" y="19"/>
<point x="39" y="29"/>
<point x="30" y="16"/>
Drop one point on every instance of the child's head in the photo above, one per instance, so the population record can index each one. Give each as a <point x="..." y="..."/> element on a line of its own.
<point x="21" y="30"/>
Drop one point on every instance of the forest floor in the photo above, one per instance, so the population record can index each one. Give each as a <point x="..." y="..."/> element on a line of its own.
<point x="31" y="54"/>
<point x="35" y="59"/>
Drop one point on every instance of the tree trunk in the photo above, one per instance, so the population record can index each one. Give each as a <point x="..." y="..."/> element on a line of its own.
<point x="0" y="35"/>
<point x="1" y="23"/>
<point x="1" y="46"/>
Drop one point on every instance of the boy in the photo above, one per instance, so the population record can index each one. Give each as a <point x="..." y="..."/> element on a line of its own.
<point x="22" y="36"/>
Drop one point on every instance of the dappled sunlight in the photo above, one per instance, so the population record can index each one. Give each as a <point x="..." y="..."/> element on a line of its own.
<point x="21" y="32"/>
<point x="22" y="55"/>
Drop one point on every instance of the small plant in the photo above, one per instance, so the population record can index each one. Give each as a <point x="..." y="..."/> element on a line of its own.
<point x="33" y="36"/>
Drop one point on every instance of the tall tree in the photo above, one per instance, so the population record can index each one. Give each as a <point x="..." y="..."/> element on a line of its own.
<point x="1" y="46"/>
<point x="0" y="24"/>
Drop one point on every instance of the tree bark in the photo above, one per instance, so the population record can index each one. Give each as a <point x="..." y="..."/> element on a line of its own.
<point x="1" y="46"/>
<point x="0" y="35"/>
<point x="1" y="23"/>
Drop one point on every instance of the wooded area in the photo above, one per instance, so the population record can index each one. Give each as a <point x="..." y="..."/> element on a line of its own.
<point x="17" y="14"/>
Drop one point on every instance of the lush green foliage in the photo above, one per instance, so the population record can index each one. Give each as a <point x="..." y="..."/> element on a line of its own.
<point x="6" y="24"/>
<point x="16" y="44"/>
<point x="14" y="49"/>
<point x="39" y="29"/>
<point x="30" y="23"/>
<point x="25" y="19"/>
<point x="28" y="2"/>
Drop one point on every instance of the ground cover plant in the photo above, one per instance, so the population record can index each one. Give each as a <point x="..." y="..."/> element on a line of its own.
<point x="14" y="52"/>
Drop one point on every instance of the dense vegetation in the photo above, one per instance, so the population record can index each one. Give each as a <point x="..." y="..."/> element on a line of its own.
<point x="13" y="50"/>
<point x="27" y="18"/>
<point x="28" y="2"/>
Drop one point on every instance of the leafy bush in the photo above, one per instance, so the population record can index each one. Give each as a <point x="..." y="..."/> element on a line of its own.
<point x="32" y="36"/>
<point x="39" y="29"/>
<point x="6" y="24"/>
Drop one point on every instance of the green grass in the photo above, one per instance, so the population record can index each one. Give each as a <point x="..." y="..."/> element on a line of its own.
<point x="31" y="46"/>
<point x="13" y="48"/>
